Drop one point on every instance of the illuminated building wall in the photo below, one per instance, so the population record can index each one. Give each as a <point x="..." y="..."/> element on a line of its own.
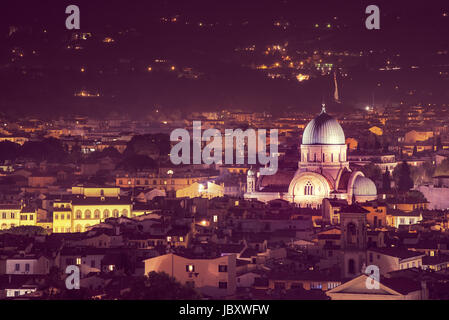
<point x="14" y="216"/>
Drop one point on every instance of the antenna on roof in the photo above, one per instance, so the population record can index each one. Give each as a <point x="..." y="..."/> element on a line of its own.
<point x="323" y="107"/>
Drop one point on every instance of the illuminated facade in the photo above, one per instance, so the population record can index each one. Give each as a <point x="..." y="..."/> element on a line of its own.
<point x="323" y="170"/>
<point x="168" y="182"/>
<point x="207" y="190"/>
<point x="88" y="207"/>
<point x="16" y="215"/>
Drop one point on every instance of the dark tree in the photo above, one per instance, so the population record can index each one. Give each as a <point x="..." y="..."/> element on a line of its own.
<point x="150" y="145"/>
<point x="136" y="163"/>
<point x="372" y="171"/>
<point x="9" y="150"/>
<point x="48" y="149"/>
<point x="160" y="286"/>
<point x="403" y="177"/>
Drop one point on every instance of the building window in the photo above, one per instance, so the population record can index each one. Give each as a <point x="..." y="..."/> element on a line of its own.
<point x="78" y="214"/>
<point x="87" y="214"/>
<point x="308" y="189"/>
<point x="222" y="268"/>
<point x="222" y="285"/>
<point x="106" y="213"/>
<point x="351" y="266"/>
<point x="56" y="216"/>
<point x="27" y="267"/>
<point x="78" y="261"/>
<point x="316" y="285"/>
<point x="97" y="214"/>
<point x="190" y="268"/>
<point x="17" y="268"/>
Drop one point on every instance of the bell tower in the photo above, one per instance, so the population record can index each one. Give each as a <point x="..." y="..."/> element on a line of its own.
<point x="251" y="181"/>
<point x="353" y="239"/>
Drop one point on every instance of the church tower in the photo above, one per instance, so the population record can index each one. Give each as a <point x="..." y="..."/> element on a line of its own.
<point x="251" y="181"/>
<point x="353" y="239"/>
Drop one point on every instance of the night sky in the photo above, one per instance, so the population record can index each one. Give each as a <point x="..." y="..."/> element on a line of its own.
<point x="44" y="83"/>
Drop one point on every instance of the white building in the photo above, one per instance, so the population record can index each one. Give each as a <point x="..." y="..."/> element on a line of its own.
<point x="323" y="171"/>
<point x="28" y="265"/>
<point x="393" y="259"/>
<point x="437" y="194"/>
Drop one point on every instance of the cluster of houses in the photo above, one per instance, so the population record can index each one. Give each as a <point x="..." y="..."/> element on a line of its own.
<point x="226" y="247"/>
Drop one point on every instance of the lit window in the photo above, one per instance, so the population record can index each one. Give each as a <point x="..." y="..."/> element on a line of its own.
<point x="190" y="268"/>
<point x="78" y="260"/>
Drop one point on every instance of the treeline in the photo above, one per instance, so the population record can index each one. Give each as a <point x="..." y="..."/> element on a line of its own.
<point x="142" y="152"/>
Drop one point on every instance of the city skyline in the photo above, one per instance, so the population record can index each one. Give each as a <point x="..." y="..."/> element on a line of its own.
<point x="225" y="151"/>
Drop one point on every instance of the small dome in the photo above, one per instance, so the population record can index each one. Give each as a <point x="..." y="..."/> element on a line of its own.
<point x="363" y="186"/>
<point x="323" y="130"/>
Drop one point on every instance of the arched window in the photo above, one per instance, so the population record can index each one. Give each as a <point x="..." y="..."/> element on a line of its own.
<point x="78" y="228"/>
<point x="106" y="213"/>
<point x="308" y="189"/>
<point x="351" y="266"/>
<point x="115" y="213"/>
<point x="124" y="213"/>
<point x="351" y="234"/>
<point x="78" y="214"/>
<point x="97" y="214"/>
<point x="87" y="214"/>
